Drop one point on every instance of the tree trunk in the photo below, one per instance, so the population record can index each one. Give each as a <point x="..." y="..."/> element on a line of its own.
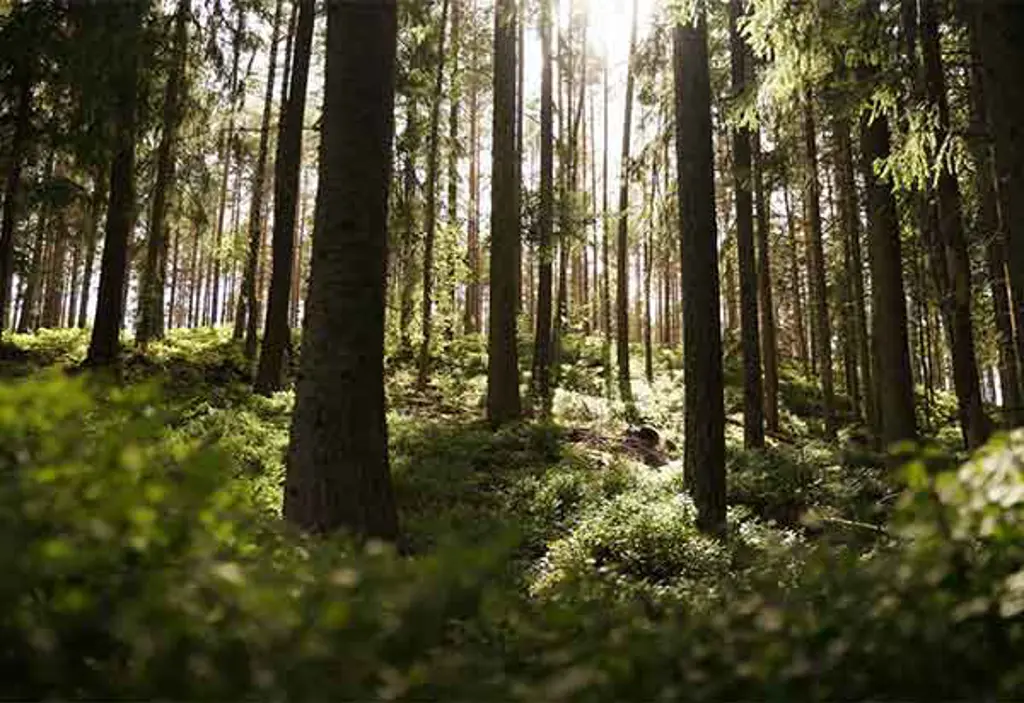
<point x="104" y="345"/>
<point x="796" y="292"/>
<point x="953" y="251"/>
<point x="288" y="161"/>
<point x="151" y="294"/>
<point x="247" y="315"/>
<point x="769" y="344"/>
<point x="891" y="372"/>
<point x="338" y="475"/>
<point x="541" y="379"/>
<point x="622" y="253"/>
<point x="474" y="293"/>
<point x="503" y="403"/>
<point x="606" y="289"/>
<point x="819" y="291"/>
<point x="753" y="390"/>
<point x="433" y="149"/>
<point x="12" y="193"/>
<point x="99" y="196"/>
<point x="704" y="461"/>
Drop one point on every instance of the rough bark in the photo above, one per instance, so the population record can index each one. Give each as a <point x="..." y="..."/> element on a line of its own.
<point x="288" y="161"/>
<point x="753" y="389"/>
<point x="337" y="474"/>
<point x="151" y="294"/>
<point x="104" y="345"/>
<point x="503" y="402"/>
<point x="766" y="303"/>
<point x="704" y="454"/>
<point x="622" y="248"/>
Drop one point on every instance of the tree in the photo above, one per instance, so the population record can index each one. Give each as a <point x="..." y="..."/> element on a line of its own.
<point x="753" y="394"/>
<point x="622" y="253"/>
<point x="433" y="148"/>
<point x="541" y="377"/>
<point x="704" y="460"/>
<point x="287" y="163"/>
<point x="247" y="315"/>
<point x="337" y="473"/>
<point x="890" y="348"/>
<point x="126" y="20"/>
<point x="151" y="296"/>
<point x="503" y="402"/>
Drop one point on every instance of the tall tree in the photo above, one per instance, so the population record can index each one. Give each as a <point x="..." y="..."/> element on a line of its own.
<point x="952" y="250"/>
<point x="151" y="294"/>
<point x="821" y="324"/>
<point x="753" y="393"/>
<point x="126" y="19"/>
<point x="766" y="303"/>
<point x="276" y="334"/>
<point x="338" y="475"/>
<point x="541" y="377"/>
<point x="503" y="402"/>
<point x="247" y="309"/>
<point x="622" y="250"/>
<point x="433" y="168"/>
<point x="890" y="349"/>
<point x="704" y="460"/>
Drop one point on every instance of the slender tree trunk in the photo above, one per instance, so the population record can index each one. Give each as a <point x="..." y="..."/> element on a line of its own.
<point x="474" y="293"/>
<point x="338" y="475"/>
<point x="503" y="402"/>
<point x="704" y="461"/>
<point x="288" y="161"/>
<point x="769" y="344"/>
<point x="454" y="153"/>
<point x="12" y="192"/>
<point x="606" y="294"/>
<point x="622" y="254"/>
<point x="753" y="389"/>
<point x="99" y="196"/>
<point x="104" y="345"/>
<point x="954" y="252"/>
<point x="154" y="274"/>
<point x="541" y="379"/>
<point x="247" y="315"/>
<point x="819" y="291"/>
<point x="433" y="149"/>
<point x="797" y="294"/>
<point x="648" y="267"/>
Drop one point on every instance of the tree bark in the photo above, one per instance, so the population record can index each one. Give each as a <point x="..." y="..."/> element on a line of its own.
<point x="953" y="250"/>
<point x="288" y="161"/>
<point x="151" y="294"/>
<point x="769" y="343"/>
<point x="247" y="315"/>
<point x="337" y="474"/>
<point x="753" y="389"/>
<point x="503" y="402"/>
<point x="12" y="192"/>
<point x="104" y="346"/>
<point x="819" y="291"/>
<point x="541" y="378"/>
<point x="704" y="460"/>
<point x="622" y="253"/>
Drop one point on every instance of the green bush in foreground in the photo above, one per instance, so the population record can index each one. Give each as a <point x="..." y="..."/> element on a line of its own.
<point x="135" y="566"/>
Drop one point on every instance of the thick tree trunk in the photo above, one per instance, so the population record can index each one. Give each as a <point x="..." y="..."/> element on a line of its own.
<point x="704" y="462"/>
<point x="338" y="476"/>
<point x="151" y="294"/>
<point x="891" y="372"/>
<point x="104" y="345"/>
<point x="503" y="402"/>
<point x="753" y="390"/>
<point x="276" y="334"/>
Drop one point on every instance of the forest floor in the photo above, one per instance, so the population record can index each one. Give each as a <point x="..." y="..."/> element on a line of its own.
<point x="586" y="512"/>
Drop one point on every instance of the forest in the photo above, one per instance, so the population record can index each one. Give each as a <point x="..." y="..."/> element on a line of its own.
<point x="562" y="350"/>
